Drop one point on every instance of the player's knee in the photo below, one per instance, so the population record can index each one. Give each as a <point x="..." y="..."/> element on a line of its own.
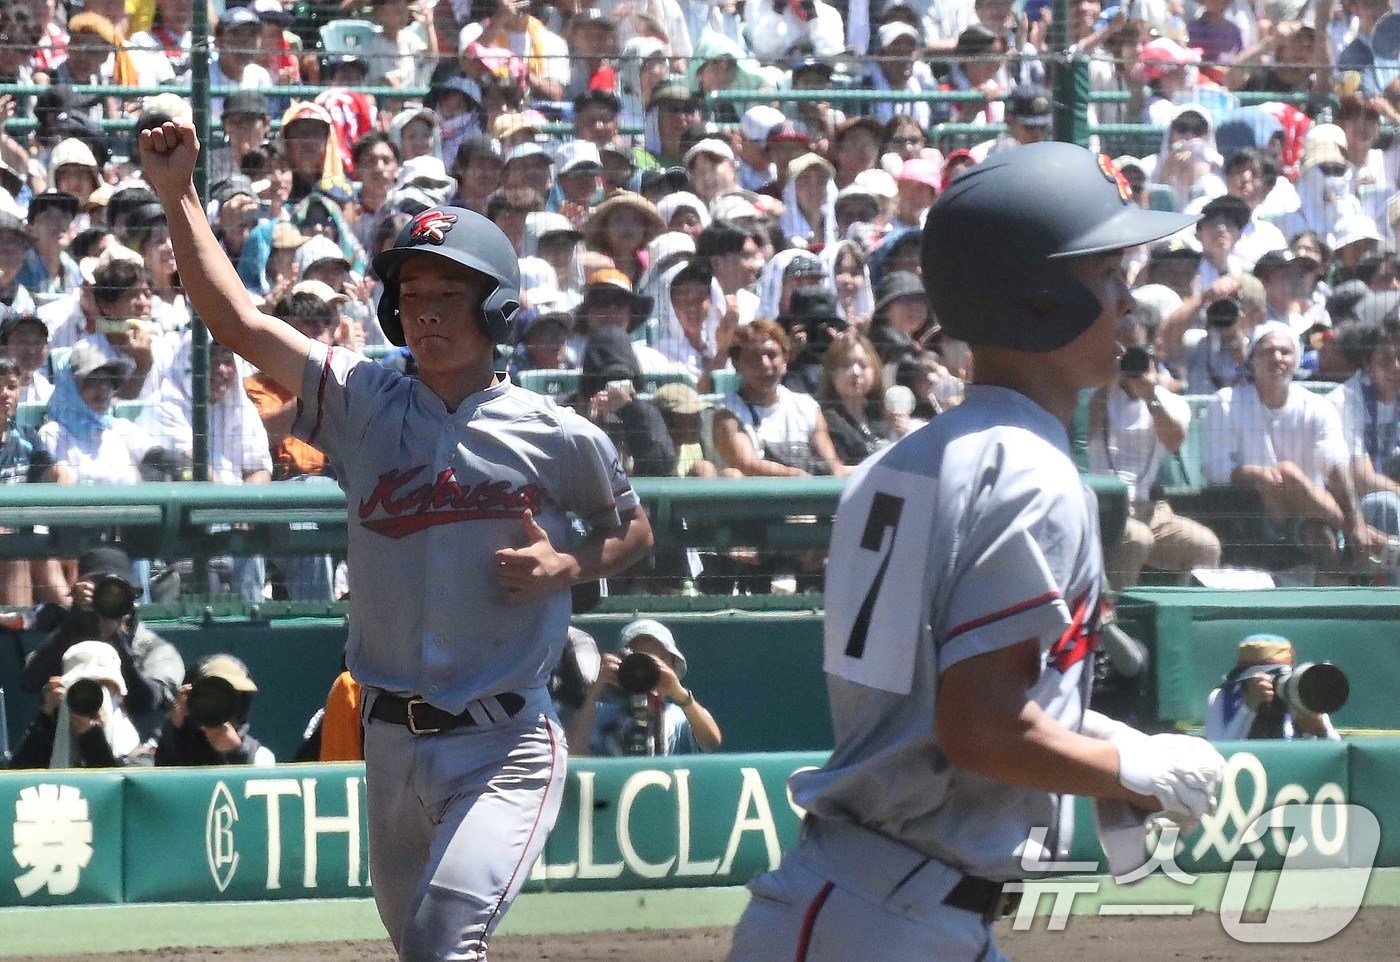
<point x="445" y="926"/>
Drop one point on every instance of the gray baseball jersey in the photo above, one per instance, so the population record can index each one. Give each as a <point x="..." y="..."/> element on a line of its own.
<point x="433" y="494"/>
<point x="972" y="534"/>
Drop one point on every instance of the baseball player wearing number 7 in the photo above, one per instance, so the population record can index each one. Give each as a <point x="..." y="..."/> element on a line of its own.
<point x="460" y="486"/>
<point x="962" y="602"/>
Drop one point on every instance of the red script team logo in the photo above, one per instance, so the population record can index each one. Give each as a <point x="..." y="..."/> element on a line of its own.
<point x="431" y="227"/>
<point x="403" y="508"/>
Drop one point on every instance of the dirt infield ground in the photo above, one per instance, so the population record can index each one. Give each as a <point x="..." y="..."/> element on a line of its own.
<point x="1369" y="938"/>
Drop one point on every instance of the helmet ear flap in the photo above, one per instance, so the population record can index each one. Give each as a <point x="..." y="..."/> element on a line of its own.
<point x="389" y="321"/>
<point x="498" y="313"/>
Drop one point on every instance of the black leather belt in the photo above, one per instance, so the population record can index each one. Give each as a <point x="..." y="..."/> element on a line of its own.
<point x="422" y="718"/>
<point x="987" y="898"/>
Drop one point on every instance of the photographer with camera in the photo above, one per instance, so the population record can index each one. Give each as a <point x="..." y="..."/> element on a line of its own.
<point x="638" y="705"/>
<point x="81" y="721"/>
<point x="1266" y="696"/>
<point x="104" y="608"/>
<point x="1213" y="357"/>
<point x="209" y="719"/>
<point x="1133" y="423"/>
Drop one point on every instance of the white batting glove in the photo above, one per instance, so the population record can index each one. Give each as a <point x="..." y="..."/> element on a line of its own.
<point x="1181" y="771"/>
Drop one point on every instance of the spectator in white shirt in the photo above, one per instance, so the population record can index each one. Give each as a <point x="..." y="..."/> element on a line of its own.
<point x="1287" y="444"/>
<point x="775" y="27"/>
<point x="696" y="322"/>
<point x="238" y="36"/>
<point x="25" y="337"/>
<point x="545" y="53"/>
<point x="1222" y="223"/>
<point x="1369" y="405"/>
<point x="122" y="294"/>
<point x="1133" y="424"/>
<point x="399" y="56"/>
<point x="897" y="69"/>
<point x="86" y="439"/>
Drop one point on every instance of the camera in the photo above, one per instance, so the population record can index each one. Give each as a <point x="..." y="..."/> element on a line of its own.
<point x="213" y="701"/>
<point x="84" y="698"/>
<point x="112" y="597"/>
<point x="1317" y="688"/>
<point x="637" y="675"/>
<point x="1136" y="361"/>
<point x="1223" y="313"/>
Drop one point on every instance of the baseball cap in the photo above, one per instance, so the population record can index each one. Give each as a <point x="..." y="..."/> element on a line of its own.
<point x="95" y="660"/>
<point x="508" y="125"/>
<point x="878" y="182"/>
<point x="804" y="264"/>
<point x="1354" y="228"/>
<point x="1030" y="104"/>
<point x="271" y="11"/>
<point x="1163" y="54"/>
<point x="238" y="17"/>
<point x="231" y="670"/>
<point x="920" y="170"/>
<point x="1271" y="261"/>
<point x="650" y="628"/>
<point x="895" y="285"/>
<point x="1322" y="150"/>
<point x="104" y="561"/>
<point x="787" y="131"/>
<point x="578" y="156"/>
<point x="86" y="360"/>
<point x="72" y="152"/>
<point x="230" y="187"/>
<point x="678" y="399"/>
<point x="734" y="206"/>
<point x="321" y="290"/>
<point x="1173" y="249"/>
<point x="1264" y="649"/>
<point x="426" y="171"/>
<point x="526" y="151"/>
<point x="247" y="102"/>
<point x="317" y="250"/>
<point x="800" y="165"/>
<point x="712" y="146"/>
<point x="758" y="120"/>
<point x="896" y="30"/>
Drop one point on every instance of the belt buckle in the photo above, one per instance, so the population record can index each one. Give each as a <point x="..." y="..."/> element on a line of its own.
<point x="412" y="723"/>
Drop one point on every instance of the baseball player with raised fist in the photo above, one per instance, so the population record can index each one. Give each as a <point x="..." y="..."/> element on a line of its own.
<point x="460" y="488"/>
<point x="962" y="600"/>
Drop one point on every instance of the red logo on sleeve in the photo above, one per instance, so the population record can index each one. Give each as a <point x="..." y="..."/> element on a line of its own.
<point x="431" y="227"/>
<point x="1080" y="638"/>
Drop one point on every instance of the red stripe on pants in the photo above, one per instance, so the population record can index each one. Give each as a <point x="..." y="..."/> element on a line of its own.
<point x="804" y="941"/>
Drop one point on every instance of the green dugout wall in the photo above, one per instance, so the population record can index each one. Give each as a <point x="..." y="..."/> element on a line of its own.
<point x="298" y="831"/>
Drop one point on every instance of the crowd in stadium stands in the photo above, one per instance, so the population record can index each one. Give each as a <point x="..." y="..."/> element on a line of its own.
<point x="729" y="287"/>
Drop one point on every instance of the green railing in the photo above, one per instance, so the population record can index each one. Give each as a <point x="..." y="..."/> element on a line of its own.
<point x="195" y="518"/>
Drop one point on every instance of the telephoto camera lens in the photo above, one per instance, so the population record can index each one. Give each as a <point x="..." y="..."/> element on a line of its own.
<point x="85" y="698"/>
<point x="213" y="702"/>
<point x="638" y="673"/>
<point x="1317" y="687"/>
<point x="113" y="598"/>
<point x="1135" y="362"/>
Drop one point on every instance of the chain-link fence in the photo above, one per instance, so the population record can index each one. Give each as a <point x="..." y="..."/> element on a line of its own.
<point x="684" y="171"/>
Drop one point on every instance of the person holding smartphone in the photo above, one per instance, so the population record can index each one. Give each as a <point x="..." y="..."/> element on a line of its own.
<point x="1134" y="422"/>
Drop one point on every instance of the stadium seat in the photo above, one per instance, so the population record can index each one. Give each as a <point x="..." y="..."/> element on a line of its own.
<point x="348" y="36"/>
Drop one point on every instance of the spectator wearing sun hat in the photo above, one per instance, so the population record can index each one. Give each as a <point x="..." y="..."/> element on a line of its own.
<point x="712" y="167"/>
<point x="755" y="166"/>
<point x="916" y="188"/>
<point x="809" y="201"/>
<point x="578" y="179"/>
<point x="898" y="68"/>
<point x="1029" y="111"/>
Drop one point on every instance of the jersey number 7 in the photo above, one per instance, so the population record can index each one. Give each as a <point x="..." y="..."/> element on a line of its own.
<point x="885" y="510"/>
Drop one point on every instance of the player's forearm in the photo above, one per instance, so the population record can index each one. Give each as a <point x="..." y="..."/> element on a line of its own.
<point x="1032" y="750"/>
<point x="602" y="556"/>
<point x="208" y="276"/>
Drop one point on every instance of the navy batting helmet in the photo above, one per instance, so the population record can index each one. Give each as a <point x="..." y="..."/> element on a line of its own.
<point x="995" y="244"/>
<point x="463" y="237"/>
